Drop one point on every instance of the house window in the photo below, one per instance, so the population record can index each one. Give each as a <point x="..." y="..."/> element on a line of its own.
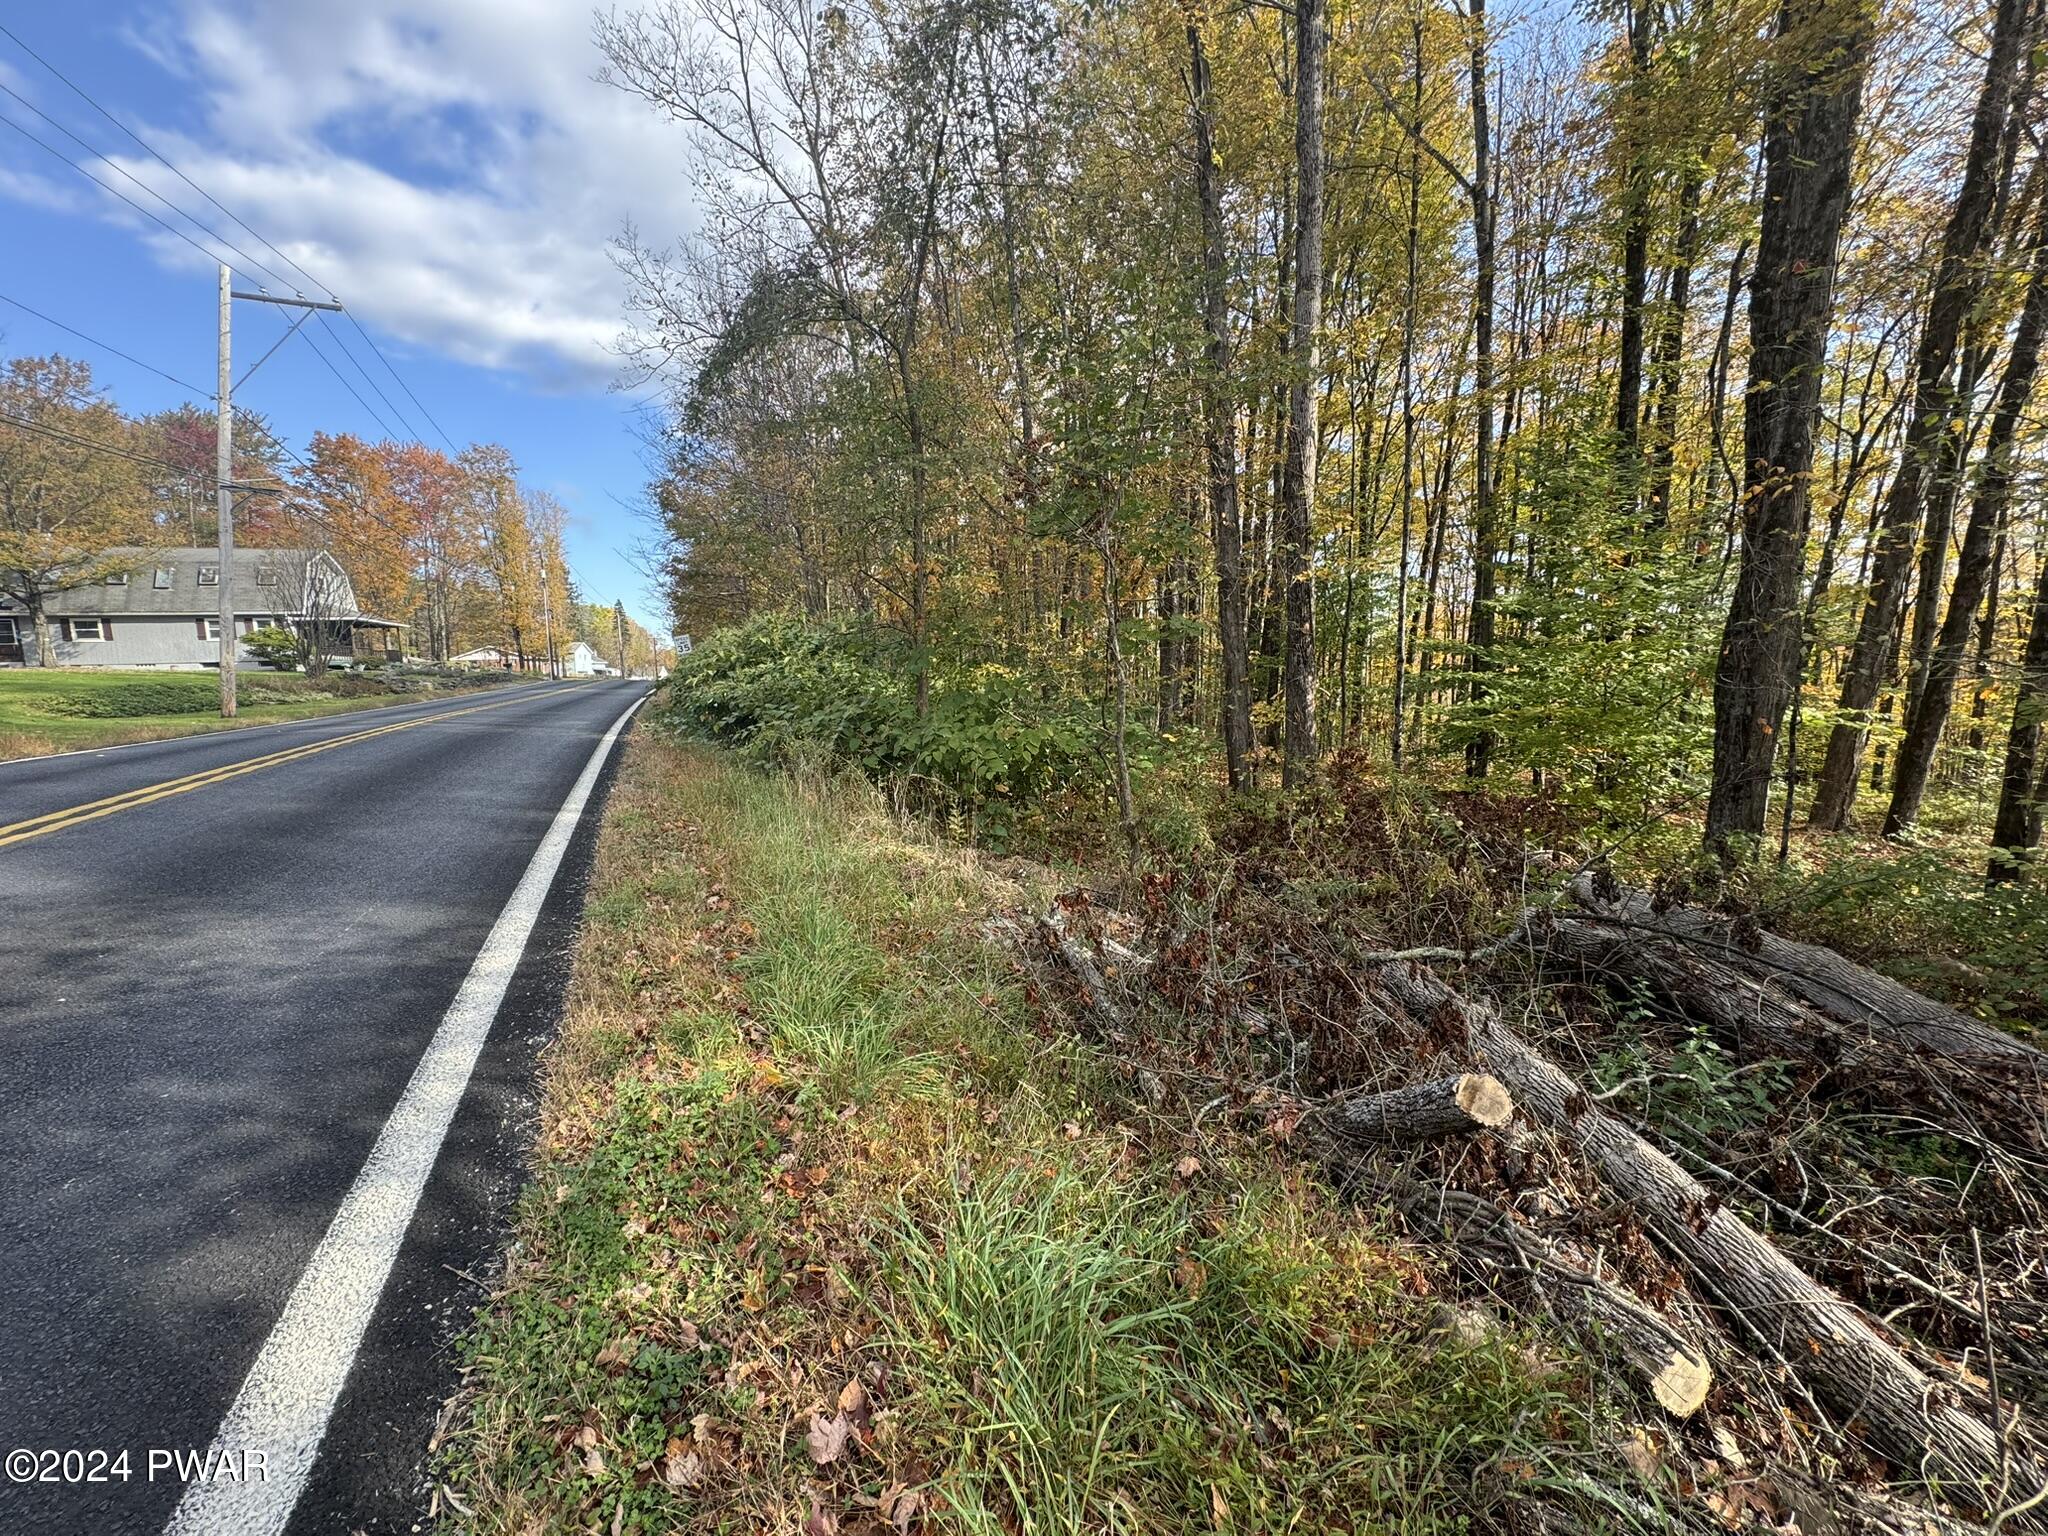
<point x="88" y="629"/>
<point x="210" y="628"/>
<point x="209" y="575"/>
<point x="163" y="577"/>
<point x="117" y="579"/>
<point x="266" y="576"/>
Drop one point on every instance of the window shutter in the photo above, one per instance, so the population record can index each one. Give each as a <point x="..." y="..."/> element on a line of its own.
<point x="64" y="628"/>
<point x="106" y="629"/>
<point x="200" y="625"/>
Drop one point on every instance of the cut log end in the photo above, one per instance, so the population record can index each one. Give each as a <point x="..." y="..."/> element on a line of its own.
<point x="1444" y="1106"/>
<point x="1482" y="1097"/>
<point x="1681" y="1387"/>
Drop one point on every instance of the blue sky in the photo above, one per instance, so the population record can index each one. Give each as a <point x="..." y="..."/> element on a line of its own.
<point x="450" y="168"/>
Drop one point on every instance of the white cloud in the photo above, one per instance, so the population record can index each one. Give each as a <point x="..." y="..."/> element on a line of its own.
<point x="449" y="167"/>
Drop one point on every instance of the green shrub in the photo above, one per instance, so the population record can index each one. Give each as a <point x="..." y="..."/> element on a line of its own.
<point x="274" y="646"/>
<point x="782" y="688"/>
<point x="125" y="700"/>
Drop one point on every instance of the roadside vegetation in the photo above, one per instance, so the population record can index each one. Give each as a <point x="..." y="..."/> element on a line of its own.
<point x="832" y="1230"/>
<point x="44" y="710"/>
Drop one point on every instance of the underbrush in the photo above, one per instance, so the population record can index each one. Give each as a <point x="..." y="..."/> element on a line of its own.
<point x="780" y="688"/>
<point x="829" y="1231"/>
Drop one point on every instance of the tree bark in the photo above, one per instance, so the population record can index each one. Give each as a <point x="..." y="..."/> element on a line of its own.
<point x="1673" y="1368"/>
<point x="1757" y="1014"/>
<point x="1635" y="260"/>
<point x="1445" y="1106"/>
<point x="1910" y="1416"/>
<point x="1958" y="280"/>
<point x="1807" y="151"/>
<point x="1298" y="477"/>
<point x="1894" y="1016"/>
<point x="1485" y="535"/>
<point x="2016" y="833"/>
<point x="1219" y="429"/>
<point x="1975" y="569"/>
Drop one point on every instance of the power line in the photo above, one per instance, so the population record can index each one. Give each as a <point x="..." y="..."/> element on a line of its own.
<point x="382" y="424"/>
<point x="105" y="346"/>
<point x="376" y="388"/>
<point x="228" y="213"/>
<point x="110" y="191"/>
<point x="253" y="265"/>
<point x="154" y="153"/>
<point x="43" y="429"/>
<point x="349" y="315"/>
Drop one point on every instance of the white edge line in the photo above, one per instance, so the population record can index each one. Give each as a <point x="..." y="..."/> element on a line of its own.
<point x="240" y="731"/>
<point x="265" y="1448"/>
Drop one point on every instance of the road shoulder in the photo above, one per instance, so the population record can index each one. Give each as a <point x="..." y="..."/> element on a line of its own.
<point x="826" y="1231"/>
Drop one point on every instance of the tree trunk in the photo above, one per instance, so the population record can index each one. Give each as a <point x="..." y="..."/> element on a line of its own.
<point x="1219" y="431"/>
<point x="1485" y="536"/>
<point x="1829" y="1343"/>
<point x="1807" y="152"/>
<point x="1447" y="1106"/>
<point x="1635" y="260"/>
<point x="1974" y="567"/>
<point x="1408" y="406"/>
<point x="1895" y="1017"/>
<point x="1670" y="352"/>
<point x="1298" y="478"/>
<point x="1757" y="1014"/>
<point x="1604" y="1314"/>
<point x="39" y="622"/>
<point x="2016" y="833"/>
<point x="1120" y="686"/>
<point x="1959" y="278"/>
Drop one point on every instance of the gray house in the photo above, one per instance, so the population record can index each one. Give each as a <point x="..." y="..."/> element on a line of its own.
<point x="162" y="609"/>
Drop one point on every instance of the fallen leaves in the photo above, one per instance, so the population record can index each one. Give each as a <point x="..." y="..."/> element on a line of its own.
<point x="827" y="1438"/>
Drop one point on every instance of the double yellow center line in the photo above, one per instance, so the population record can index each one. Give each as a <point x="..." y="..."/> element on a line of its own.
<point x="93" y="810"/>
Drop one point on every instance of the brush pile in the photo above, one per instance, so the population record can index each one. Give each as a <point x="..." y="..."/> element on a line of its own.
<point x="1797" y="1211"/>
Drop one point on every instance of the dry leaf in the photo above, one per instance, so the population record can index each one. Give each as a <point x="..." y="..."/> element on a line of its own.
<point x="822" y="1522"/>
<point x="853" y="1397"/>
<point x="899" y="1505"/>
<point x="827" y="1440"/>
<point x="1187" y="1168"/>
<point x="1219" y="1507"/>
<point x="681" y="1468"/>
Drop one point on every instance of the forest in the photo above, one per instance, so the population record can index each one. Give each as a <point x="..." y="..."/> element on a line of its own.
<point x="1497" y="555"/>
<point x="1635" y="400"/>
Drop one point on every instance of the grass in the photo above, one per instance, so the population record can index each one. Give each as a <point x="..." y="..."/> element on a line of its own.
<point x="62" y="709"/>
<point x="826" y="1235"/>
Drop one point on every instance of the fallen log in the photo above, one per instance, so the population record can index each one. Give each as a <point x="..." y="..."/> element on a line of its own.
<point x="1446" y="1106"/>
<point x="1910" y="1417"/>
<point x="1059" y="938"/>
<point x="1839" y="988"/>
<point x="1673" y="1368"/>
<point x="1757" y="1018"/>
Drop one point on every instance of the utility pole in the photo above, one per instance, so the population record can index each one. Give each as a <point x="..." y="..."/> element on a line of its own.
<point x="224" y="468"/>
<point x="223" y="476"/>
<point x="619" y="612"/>
<point x="547" y="620"/>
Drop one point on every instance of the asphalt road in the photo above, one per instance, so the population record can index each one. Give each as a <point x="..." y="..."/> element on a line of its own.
<point x="210" y="1001"/>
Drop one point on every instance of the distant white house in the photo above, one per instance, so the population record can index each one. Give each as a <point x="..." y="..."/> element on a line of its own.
<point x="581" y="660"/>
<point x="161" y="608"/>
<point x="578" y="660"/>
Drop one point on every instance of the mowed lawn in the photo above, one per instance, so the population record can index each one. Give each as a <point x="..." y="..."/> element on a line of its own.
<point x="60" y="709"/>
